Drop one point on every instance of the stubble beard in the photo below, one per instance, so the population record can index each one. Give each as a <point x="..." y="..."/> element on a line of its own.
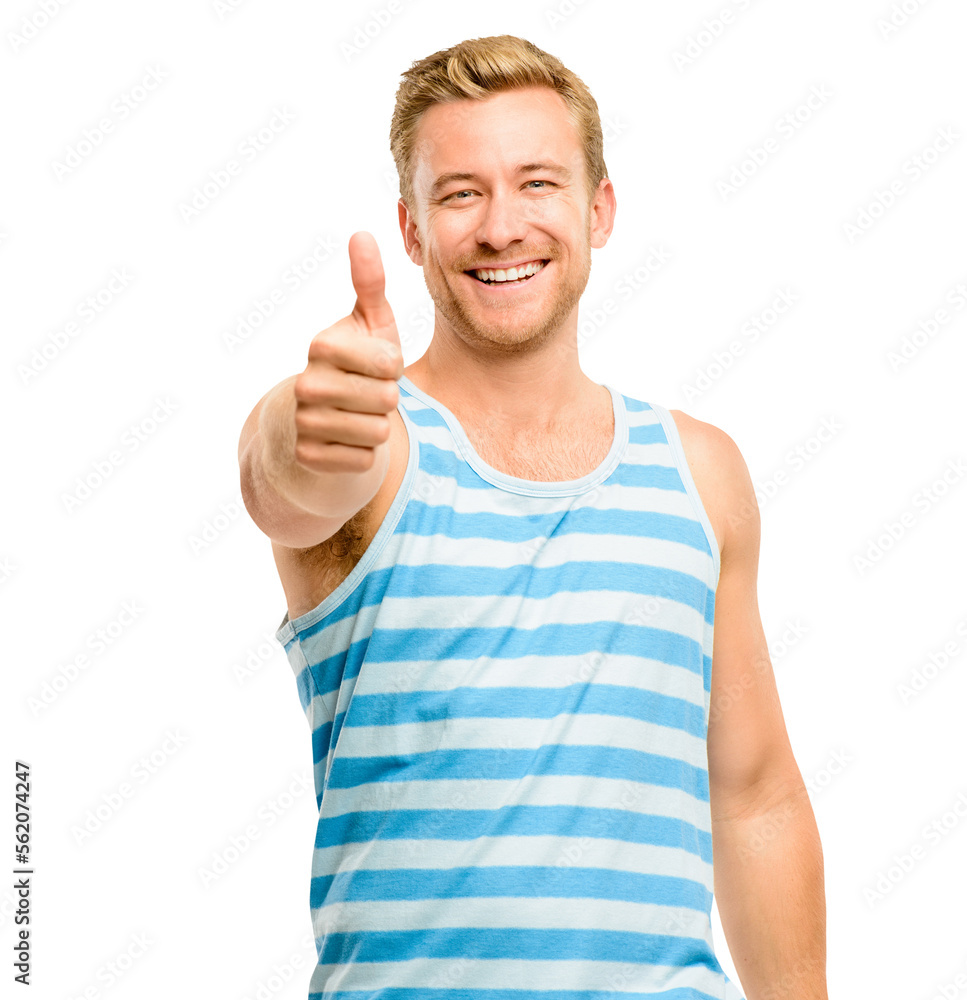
<point x="508" y="337"/>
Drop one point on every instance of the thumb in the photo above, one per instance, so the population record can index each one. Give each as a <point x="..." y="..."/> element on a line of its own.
<point x="371" y="310"/>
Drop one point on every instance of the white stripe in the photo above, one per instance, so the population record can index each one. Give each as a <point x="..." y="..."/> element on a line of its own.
<point x="647" y="675"/>
<point x="566" y="607"/>
<point x="579" y="729"/>
<point x="511" y="974"/>
<point x="483" y="911"/>
<point x="485" y="852"/>
<point x="408" y="549"/>
<point x="644" y="674"/>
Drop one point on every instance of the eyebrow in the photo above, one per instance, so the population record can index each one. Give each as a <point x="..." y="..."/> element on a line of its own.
<point x="524" y="168"/>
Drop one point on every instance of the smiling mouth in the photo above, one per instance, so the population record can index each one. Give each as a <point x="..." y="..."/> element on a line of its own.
<point x="508" y="276"/>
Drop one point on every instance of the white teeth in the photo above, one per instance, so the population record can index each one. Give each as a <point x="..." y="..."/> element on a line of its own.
<point x="511" y="274"/>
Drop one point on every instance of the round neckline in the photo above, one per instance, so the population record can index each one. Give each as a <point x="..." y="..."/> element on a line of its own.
<point x="532" y="487"/>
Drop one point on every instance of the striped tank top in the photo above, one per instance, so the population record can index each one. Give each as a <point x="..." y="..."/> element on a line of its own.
<point x="508" y="698"/>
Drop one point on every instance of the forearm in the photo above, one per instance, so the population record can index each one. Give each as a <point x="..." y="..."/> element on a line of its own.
<point x="770" y="895"/>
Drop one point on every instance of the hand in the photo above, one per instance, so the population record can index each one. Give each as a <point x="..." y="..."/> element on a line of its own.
<point x="348" y="389"/>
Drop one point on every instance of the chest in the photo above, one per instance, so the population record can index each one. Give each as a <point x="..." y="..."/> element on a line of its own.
<point x="570" y="454"/>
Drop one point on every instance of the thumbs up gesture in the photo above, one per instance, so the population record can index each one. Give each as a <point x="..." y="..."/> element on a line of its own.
<point x="348" y="389"/>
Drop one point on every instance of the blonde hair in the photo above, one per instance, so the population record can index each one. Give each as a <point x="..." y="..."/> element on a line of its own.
<point x="476" y="69"/>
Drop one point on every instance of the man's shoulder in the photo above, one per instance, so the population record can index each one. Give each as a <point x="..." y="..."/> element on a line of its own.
<point x="708" y="442"/>
<point x="721" y="476"/>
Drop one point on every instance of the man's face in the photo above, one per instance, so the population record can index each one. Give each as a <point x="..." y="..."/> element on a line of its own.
<point x="521" y="196"/>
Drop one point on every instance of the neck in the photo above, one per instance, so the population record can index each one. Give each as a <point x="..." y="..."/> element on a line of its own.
<point x="529" y="390"/>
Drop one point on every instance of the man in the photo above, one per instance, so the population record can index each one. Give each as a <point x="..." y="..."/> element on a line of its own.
<point x="502" y="581"/>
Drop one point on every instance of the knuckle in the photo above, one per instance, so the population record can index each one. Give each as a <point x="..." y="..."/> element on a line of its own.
<point x="323" y="346"/>
<point x="305" y="453"/>
<point x="390" y="396"/>
<point x="383" y="428"/>
<point x="304" y="419"/>
<point x="387" y="356"/>
<point x="313" y="386"/>
<point x="307" y="387"/>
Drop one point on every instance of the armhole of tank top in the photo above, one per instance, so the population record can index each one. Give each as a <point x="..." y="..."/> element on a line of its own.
<point x="313" y="694"/>
<point x="678" y="451"/>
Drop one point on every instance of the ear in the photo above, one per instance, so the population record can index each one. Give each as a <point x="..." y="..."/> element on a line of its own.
<point x="411" y="239"/>
<point x="602" y="211"/>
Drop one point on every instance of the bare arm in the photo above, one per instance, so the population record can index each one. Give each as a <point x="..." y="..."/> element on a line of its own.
<point x="768" y="855"/>
<point x="315" y="449"/>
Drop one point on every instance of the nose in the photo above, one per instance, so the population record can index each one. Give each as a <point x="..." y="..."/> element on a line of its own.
<point x="502" y="221"/>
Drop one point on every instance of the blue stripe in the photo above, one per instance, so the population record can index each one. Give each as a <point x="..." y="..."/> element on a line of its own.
<point x="389" y="709"/>
<point x="490" y="881"/>
<point x="505" y="764"/>
<point x="524" y="580"/>
<point x="421" y="518"/>
<point x="513" y="821"/>
<point x="304" y="686"/>
<point x="505" y="642"/>
<point x="439" y="579"/>
<point x="321" y="737"/>
<point x="545" y="944"/>
<point x="647" y="433"/>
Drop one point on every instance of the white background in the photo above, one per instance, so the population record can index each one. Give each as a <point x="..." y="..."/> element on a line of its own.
<point x="163" y="534"/>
